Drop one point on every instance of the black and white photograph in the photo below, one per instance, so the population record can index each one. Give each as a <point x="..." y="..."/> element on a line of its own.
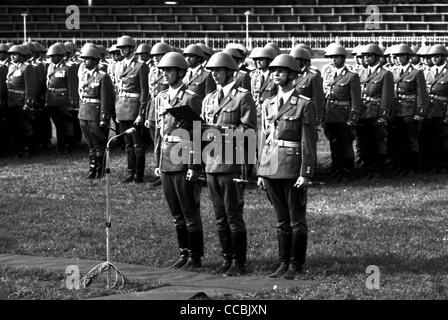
<point x="227" y="157"/>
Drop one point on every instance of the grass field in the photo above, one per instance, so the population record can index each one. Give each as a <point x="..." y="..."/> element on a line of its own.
<point x="48" y="208"/>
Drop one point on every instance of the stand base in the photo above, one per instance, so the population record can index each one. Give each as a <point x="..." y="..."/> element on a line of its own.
<point x="104" y="267"/>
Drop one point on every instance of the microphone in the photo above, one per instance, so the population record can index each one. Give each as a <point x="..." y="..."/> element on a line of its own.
<point x="129" y="131"/>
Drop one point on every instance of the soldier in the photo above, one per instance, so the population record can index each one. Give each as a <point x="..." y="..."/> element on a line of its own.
<point x="4" y="64"/>
<point x="130" y="106"/>
<point x="309" y="83"/>
<point x="208" y="52"/>
<point x="179" y="181"/>
<point x="415" y="58"/>
<point x="287" y="163"/>
<point x="95" y="109"/>
<point x="197" y="78"/>
<point x="343" y="100"/>
<point x="229" y="106"/>
<point x="21" y="83"/>
<point x="144" y="51"/>
<point x="410" y="110"/>
<point x="377" y="92"/>
<point x="434" y="132"/>
<point x="103" y="64"/>
<point x="114" y="66"/>
<point x="61" y="96"/>
<point x="242" y="78"/>
<point x="425" y="63"/>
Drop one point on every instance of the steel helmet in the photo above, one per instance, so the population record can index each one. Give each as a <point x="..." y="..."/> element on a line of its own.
<point x="173" y="60"/>
<point x="194" y="49"/>
<point x="285" y="61"/>
<point x="29" y="47"/>
<point x="371" y="48"/>
<point x="274" y="46"/>
<point x="423" y="51"/>
<point x="402" y="48"/>
<point x="90" y="51"/>
<point x="70" y="47"/>
<point x="335" y="49"/>
<point x="355" y="50"/>
<point x="206" y="50"/>
<point x="9" y="44"/>
<point x="222" y="60"/>
<point x="56" y="49"/>
<point x="113" y="49"/>
<point x="18" y="49"/>
<point x="233" y="53"/>
<point x="300" y="53"/>
<point x="437" y="49"/>
<point x="263" y="53"/>
<point x="124" y="41"/>
<point x="241" y="49"/>
<point x="143" y="48"/>
<point x="160" y="48"/>
<point x="4" y="47"/>
<point x="305" y="46"/>
<point x="415" y="49"/>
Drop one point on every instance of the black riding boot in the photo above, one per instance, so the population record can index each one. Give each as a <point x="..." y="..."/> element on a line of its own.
<point x="284" y="250"/>
<point x="195" y="250"/>
<point x="182" y="241"/>
<point x="226" y="245"/>
<point x="239" y="248"/>
<point x="298" y="254"/>
<point x="92" y="167"/>
<point x="100" y="167"/>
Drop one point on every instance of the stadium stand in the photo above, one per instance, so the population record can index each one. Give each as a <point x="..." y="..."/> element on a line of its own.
<point x="181" y="21"/>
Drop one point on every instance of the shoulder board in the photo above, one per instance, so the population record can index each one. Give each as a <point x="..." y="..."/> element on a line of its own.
<point x="312" y="71"/>
<point x="102" y="72"/>
<point x="190" y="92"/>
<point x="242" y="89"/>
<point x="304" y="97"/>
<point x="243" y="72"/>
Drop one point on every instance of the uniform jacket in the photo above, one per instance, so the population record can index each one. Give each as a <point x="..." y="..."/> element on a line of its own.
<point x="377" y="93"/>
<point x="166" y="124"/>
<point x="294" y="123"/>
<point x="343" y="98"/>
<point x="132" y="80"/>
<point x="156" y="86"/>
<point x="242" y="79"/>
<point x="237" y="109"/>
<point x="201" y="83"/>
<point x="62" y="85"/>
<point x="3" y="88"/>
<point x="310" y="84"/>
<point x="261" y="88"/>
<point x="412" y="82"/>
<point x="95" y="96"/>
<point x="41" y="73"/>
<point x="22" y="84"/>
<point x="437" y="85"/>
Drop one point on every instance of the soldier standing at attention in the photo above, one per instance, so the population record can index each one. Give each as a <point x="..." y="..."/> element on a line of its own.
<point x="95" y="109"/>
<point x="342" y="106"/>
<point x="61" y="96"/>
<point x="411" y="104"/>
<point x="179" y="181"/>
<point x="234" y="107"/>
<point x="242" y="78"/>
<point x="130" y="106"/>
<point x="377" y="92"/>
<point x="197" y="78"/>
<point x="22" y="87"/>
<point x="4" y="64"/>
<point x="436" y="123"/>
<point x="287" y="163"/>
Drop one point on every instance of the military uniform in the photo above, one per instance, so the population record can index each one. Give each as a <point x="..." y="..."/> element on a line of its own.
<point x="131" y="101"/>
<point x="342" y="108"/>
<point x="290" y="152"/>
<point x="434" y="135"/>
<point x="183" y="196"/>
<point x="60" y="98"/>
<point x="156" y="86"/>
<point x="410" y="100"/>
<point x="77" y="132"/>
<point x="201" y="82"/>
<point x="242" y="79"/>
<point x="376" y="101"/>
<point x="310" y="84"/>
<point x="20" y="115"/>
<point x="236" y="109"/>
<point x="95" y="105"/>
<point x="4" y="135"/>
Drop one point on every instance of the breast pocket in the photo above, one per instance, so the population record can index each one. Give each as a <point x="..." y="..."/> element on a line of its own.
<point x="289" y="127"/>
<point x="230" y="115"/>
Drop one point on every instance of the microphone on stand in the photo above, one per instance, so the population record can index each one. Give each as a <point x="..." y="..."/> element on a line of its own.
<point x="127" y="132"/>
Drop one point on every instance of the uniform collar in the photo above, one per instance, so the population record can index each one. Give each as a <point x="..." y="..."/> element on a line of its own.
<point x="374" y="68"/>
<point x="226" y="89"/>
<point x="285" y="96"/>
<point x="194" y="70"/>
<point x="440" y="68"/>
<point x="405" y="67"/>
<point x="338" y="71"/>
<point x="172" y="93"/>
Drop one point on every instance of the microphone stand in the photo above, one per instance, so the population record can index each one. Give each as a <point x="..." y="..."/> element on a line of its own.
<point x="107" y="266"/>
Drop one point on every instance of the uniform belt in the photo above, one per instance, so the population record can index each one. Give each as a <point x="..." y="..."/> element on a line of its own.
<point x="288" y="144"/>
<point x="58" y="89"/>
<point x="129" y="94"/>
<point x="407" y="96"/>
<point x="437" y="97"/>
<point x="339" y="102"/>
<point x="167" y="138"/>
<point x="16" y="91"/>
<point x="90" y="100"/>
<point x="371" y="99"/>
